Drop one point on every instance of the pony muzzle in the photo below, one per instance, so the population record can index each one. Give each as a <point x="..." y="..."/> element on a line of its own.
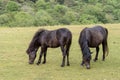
<point x="88" y="66"/>
<point x="30" y="62"/>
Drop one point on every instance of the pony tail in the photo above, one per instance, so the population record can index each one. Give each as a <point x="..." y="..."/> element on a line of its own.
<point x="106" y="49"/>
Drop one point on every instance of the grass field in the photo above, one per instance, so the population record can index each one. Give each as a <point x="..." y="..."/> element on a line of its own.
<point x="14" y="61"/>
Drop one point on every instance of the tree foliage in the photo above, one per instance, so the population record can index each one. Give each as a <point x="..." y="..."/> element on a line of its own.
<point x="12" y="6"/>
<point x="58" y="12"/>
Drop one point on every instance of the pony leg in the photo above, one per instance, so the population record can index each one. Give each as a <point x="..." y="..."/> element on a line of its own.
<point x="64" y="55"/>
<point x="41" y="53"/>
<point x="68" y="49"/>
<point x="103" y="45"/>
<point x="97" y="51"/>
<point x="67" y="52"/>
<point x="68" y="64"/>
<point x="45" y="56"/>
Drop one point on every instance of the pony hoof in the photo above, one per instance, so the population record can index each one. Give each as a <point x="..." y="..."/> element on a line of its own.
<point x="68" y="64"/>
<point x="30" y="63"/>
<point x="88" y="67"/>
<point x="62" y="65"/>
<point x="103" y="60"/>
<point x="38" y="63"/>
<point x="43" y="62"/>
<point x="94" y="60"/>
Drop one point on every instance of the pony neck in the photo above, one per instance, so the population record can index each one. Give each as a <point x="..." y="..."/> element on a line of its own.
<point x="33" y="46"/>
<point x="85" y="49"/>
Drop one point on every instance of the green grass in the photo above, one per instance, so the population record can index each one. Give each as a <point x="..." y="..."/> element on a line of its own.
<point x="14" y="61"/>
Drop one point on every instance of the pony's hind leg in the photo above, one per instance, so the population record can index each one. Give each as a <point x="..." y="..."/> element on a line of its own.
<point x="67" y="52"/>
<point x="64" y="55"/>
<point x="97" y="51"/>
<point x="103" y="47"/>
<point x="68" y="63"/>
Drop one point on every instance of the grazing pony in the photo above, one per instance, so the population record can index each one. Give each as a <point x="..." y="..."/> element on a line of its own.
<point x="93" y="37"/>
<point x="50" y="39"/>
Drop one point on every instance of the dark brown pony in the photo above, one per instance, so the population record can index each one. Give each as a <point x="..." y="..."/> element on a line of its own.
<point x="93" y="37"/>
<point x="50" y="39"/>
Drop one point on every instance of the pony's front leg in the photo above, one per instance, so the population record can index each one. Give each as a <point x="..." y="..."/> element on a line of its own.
<point x="97" y="51"/>
<point x="45" y="52"/>
<point x="41" y="53"/>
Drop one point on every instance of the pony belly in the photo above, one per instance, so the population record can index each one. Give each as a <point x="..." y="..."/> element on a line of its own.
<point x="94" y="45"/>
<point x="53" y="45"/>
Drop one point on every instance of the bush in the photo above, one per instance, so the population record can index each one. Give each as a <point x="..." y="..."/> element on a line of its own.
<point x="117" y="14"/>
<point x="109" y="18"/>
<point x="42" y="18"/>
<point x="22" y="19"/>
<point x="2" y="7"/>
<point x="41" y="4"/>
<point x="57" y="12"/>
<point x="69" y="17"/>
<point x="87" y="19"/>
<point x="12" y="6"/>
<point x="108" y="8"/>
<point x="5" y="19"/>
<point x="60" y="1"/>
<point x="60" y="9"/>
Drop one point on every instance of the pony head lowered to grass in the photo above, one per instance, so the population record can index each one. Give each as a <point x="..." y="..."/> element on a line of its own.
<point x="50" y="39"/>
<point x="92" y="37"/>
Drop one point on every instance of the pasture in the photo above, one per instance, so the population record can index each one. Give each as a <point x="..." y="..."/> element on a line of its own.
<point x="14" y="60"/>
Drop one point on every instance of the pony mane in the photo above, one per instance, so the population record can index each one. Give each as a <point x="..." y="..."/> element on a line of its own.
<point x="38" y="33"/>
<point x="84" y="44"/>
<point x="34" y="42"/>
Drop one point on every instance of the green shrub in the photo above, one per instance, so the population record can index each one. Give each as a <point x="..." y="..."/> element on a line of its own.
<point x="23" y="19"/>
<point x="12" y="6"/>
<point x="108" y="8"/>
<point x="5" y="19"/>
<point x="60" y="1"/>
<point x="87" y="19"/>
<point x="69" y="17"/>
<point x="117" y="14"/>
<point x="41" y="4"/>
<point x="2" y="7"/>
<point x="61" y="9"/>
<point x="109" y="18"/>
<point x="42" y="18"/>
